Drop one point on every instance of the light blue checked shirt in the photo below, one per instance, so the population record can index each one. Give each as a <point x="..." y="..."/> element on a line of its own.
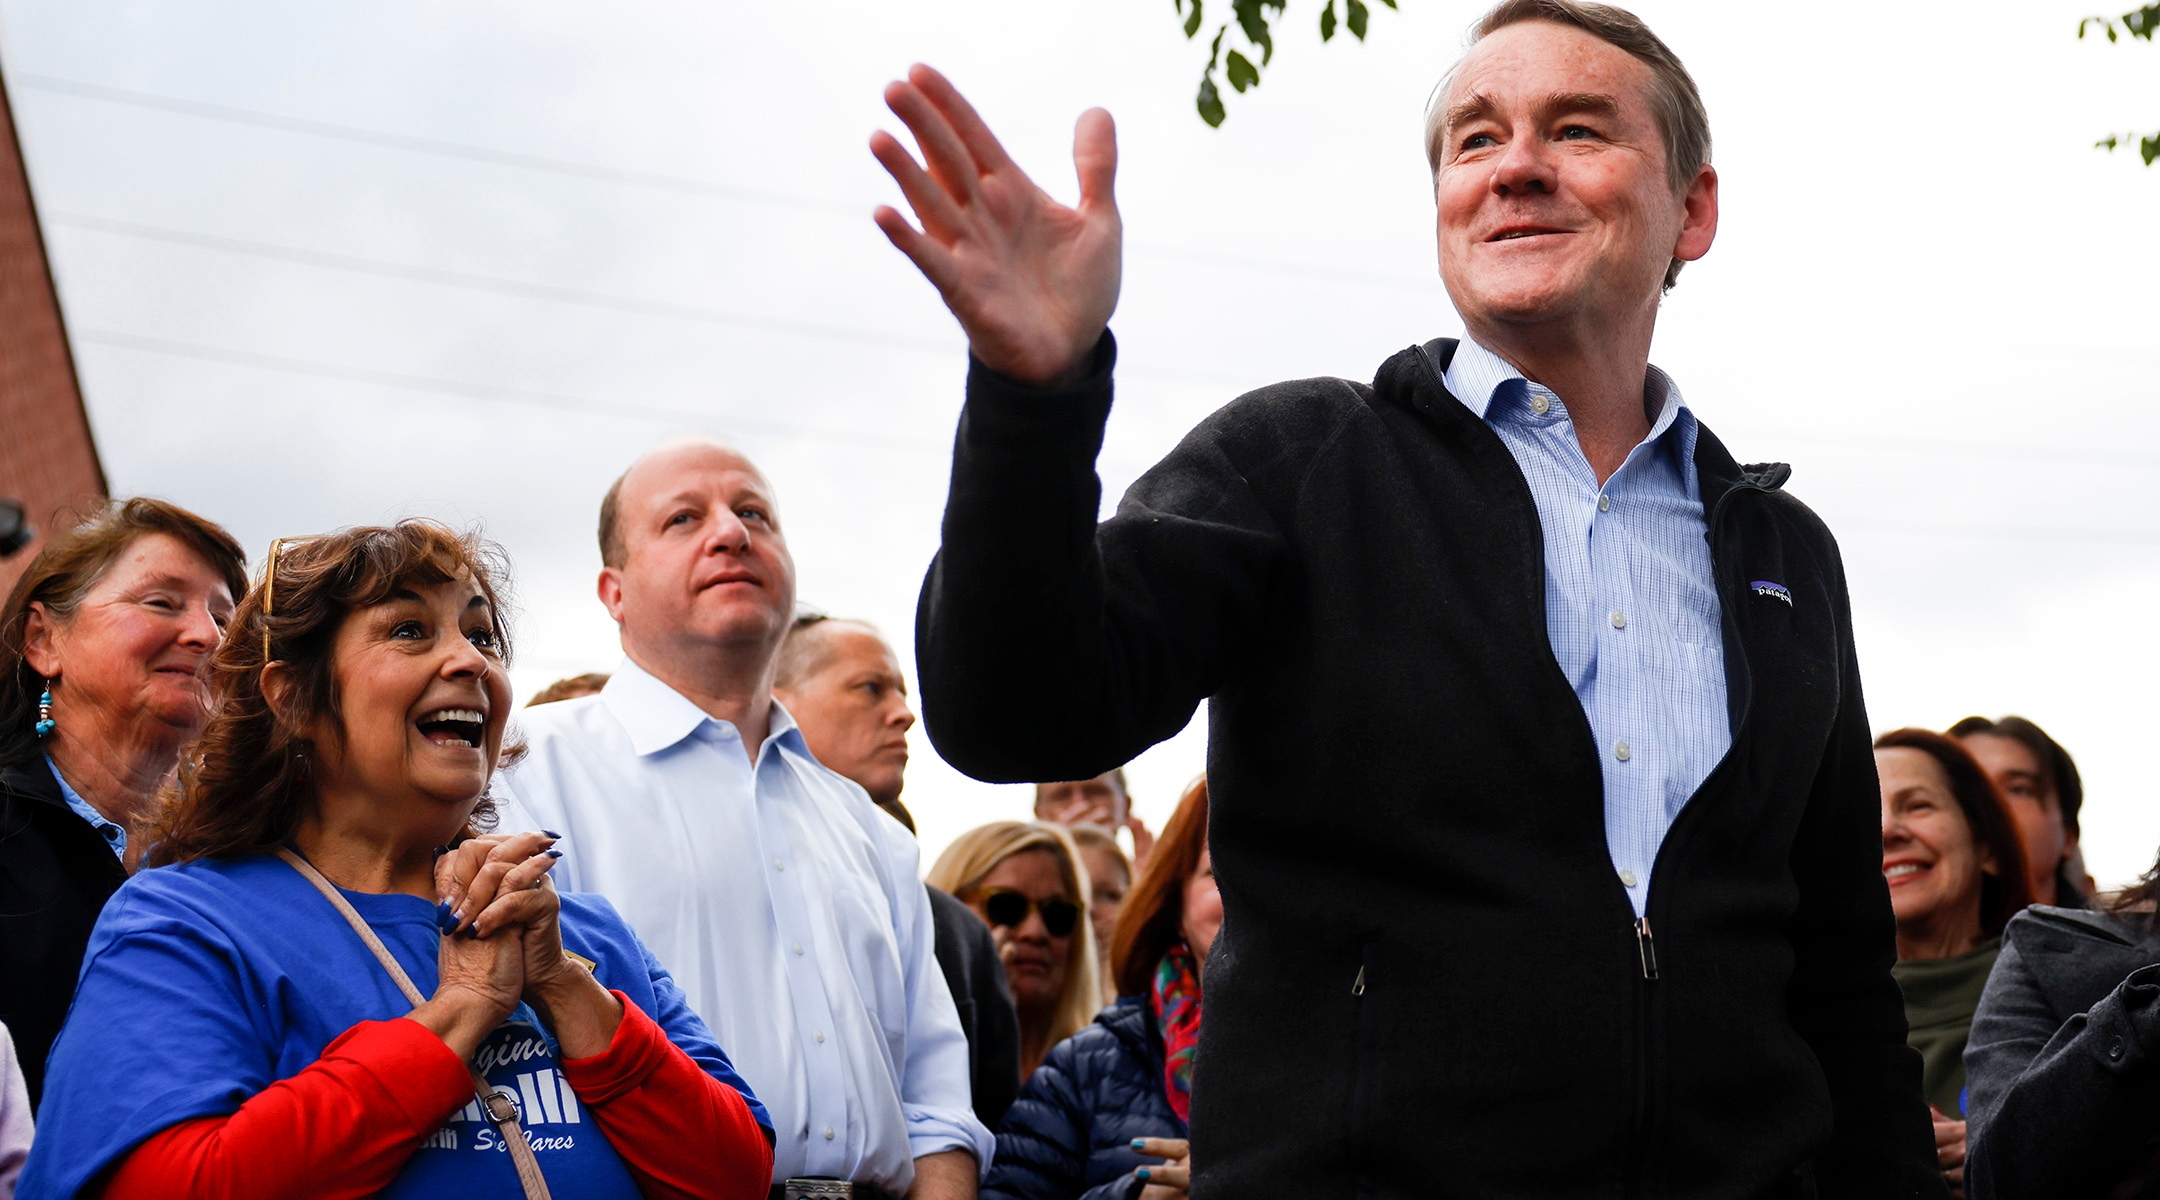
<point x="1631" y="605"/>
<point x="114" y="835"/>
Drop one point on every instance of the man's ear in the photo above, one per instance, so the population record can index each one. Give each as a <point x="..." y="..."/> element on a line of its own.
<point x="610" y="590"/>
<point x="1700" y="227"/>
<point x="39" y="633"/>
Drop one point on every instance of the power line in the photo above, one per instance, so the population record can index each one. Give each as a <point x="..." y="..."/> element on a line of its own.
<point x="485" y="391"/>
<point x="482" y="391"/>
<point x="950" y="348"/>
<point x="660" y="181"/>
<point x="698" y="313"/>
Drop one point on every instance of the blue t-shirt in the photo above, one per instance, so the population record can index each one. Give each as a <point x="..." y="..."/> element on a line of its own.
<point x="205" y="983"/>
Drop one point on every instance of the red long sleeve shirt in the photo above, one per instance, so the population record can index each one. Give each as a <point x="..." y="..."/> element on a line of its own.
<point x="345" y="1126"/>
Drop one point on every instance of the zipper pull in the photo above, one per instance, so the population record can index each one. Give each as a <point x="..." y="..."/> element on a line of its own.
<point x="1358" y="988"/>
<point x="1648" y="946"/>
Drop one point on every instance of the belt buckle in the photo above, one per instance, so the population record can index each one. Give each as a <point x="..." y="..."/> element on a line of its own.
<point x="818" y="1189"/>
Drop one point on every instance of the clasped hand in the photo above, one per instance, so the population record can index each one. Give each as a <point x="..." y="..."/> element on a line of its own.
<point x="502" y="943"/>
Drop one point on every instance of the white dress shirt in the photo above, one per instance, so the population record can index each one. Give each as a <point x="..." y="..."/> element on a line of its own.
<point x="782" y="900"/>
<point x="1631" y="601"/>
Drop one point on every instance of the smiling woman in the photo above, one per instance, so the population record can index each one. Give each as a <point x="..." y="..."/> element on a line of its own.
<point x="351" y="981"/>
<point x="1956" y="872"/>
<point x="102" y="648"/>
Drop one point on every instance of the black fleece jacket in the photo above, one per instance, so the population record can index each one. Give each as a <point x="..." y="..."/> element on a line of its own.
<point x="1429" y="980"/>
<point x="55" y="875"/>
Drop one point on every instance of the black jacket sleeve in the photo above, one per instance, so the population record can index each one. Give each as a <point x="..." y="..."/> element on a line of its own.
<point x="1049" y="648"/>
<point x="1842" y="997"/>
<point x="2060" y="1108"/>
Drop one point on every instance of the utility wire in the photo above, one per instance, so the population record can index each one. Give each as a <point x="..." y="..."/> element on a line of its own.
<point x="481" y="391"/>
<point x="951" y="348"/>
<point x="485" y="391"/>
<point x="715" y="316"/>
<point x="680" y="184"/>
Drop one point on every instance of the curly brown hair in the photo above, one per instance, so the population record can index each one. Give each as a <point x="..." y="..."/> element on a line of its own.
<point x="245" y="786"/>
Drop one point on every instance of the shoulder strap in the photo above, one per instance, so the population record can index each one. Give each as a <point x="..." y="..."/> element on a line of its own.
<point x="500" y="1106"/>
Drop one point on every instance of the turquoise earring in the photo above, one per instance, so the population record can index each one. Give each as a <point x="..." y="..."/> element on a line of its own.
<point x="45" y="724"/>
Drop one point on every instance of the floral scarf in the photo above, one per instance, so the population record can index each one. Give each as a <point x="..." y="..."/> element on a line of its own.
<point x="1177" y="1014"/>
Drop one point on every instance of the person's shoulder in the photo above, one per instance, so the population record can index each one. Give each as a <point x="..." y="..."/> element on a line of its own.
<point x="579" y="719"/>
<point x="2044" y="929"/>
<point x="201" y="896"/>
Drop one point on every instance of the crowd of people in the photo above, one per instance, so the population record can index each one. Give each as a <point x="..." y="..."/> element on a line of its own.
<point x="1538" y="781"/>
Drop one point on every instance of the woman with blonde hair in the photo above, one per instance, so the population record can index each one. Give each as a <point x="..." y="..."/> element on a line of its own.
<point x="1024" y="879"/>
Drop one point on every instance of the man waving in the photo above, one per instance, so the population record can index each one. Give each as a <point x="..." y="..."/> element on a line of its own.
<point x="1544" y="812"/>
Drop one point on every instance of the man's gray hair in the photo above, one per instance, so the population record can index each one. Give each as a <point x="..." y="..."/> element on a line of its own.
<point x="1681" y="118"/>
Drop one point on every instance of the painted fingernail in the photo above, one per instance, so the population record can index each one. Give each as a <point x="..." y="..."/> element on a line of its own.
<point x="441" y="850"/>
<point x="1139" y="1143"/>
<point x="445" y="918"/>
<point x="1142" y="1173"/>
<point x="554" y="854"/>
<point x="551" y="833"/>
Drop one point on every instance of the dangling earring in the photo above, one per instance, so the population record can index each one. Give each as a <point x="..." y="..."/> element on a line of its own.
<point x="44" y="726"/>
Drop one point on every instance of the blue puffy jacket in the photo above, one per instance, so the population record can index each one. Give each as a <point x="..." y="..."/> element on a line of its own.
<point x="1069" y="1135"/>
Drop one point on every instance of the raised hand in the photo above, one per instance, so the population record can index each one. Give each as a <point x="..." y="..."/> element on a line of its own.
<point x="1032" y="281"/>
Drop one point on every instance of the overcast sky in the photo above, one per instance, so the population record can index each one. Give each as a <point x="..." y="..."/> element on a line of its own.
<point x="327" y="265"/>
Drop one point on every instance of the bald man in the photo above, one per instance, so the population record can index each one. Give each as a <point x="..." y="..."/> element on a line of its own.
<point x="788" y="907"/>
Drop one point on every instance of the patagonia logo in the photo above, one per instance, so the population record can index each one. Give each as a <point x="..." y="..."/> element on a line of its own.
<point x="1774" y="590"/>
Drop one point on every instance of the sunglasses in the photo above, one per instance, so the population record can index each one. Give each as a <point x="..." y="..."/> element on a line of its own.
<point x="1008" y="907"/>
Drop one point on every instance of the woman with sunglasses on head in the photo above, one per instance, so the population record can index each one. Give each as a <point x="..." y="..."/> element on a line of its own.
<point x="331" y="985"/>
<point x="1024" y="879"/>
<point x="1112" y="1102"/>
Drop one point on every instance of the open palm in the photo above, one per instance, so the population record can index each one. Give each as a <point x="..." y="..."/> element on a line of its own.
<point x="1032" y="281"/>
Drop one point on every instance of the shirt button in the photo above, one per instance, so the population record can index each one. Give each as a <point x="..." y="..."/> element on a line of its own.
<point x="777" y="865"/>
<point x="1604" y="502"/>
<point x="1627" y="879"/>
<point x="1619" y="619"/>
<point x="828" y="1133"/>
<point x="820" y="1036"/>
<point x="798" y="949"/>
<point x="2115" y="1050"/>
<point x="1621" y="752"/>
<point x="1539" y="404"/>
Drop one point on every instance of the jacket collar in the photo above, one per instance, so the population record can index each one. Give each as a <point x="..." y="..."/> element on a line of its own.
<point x="657" y="716"/>
<point x="1415" y="376"/>
<point x="32" y="779"/>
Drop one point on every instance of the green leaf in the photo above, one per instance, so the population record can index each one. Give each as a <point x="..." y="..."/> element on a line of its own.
<point x="2149" y="148"/>
<point x="1358" y="15"/>
<point x="1252" y="18"/>
<point x="1390" y="4"/>
<point x="1327" y="22"/>
<point x="2142" y="22"/>
<point x="2107" y="143"/>
<point x="1214" y="54"/>
<point x="1192" y="21"/>
<point x="1241" y="72"/>
<point x="1210" y="103"/>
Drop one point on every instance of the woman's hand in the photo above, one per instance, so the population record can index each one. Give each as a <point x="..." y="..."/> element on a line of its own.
<point x="501" y="889"/>
<point x="1170" y="1182"/>
<point x="478" y="981"/>
<point x="1950" y="1150"/>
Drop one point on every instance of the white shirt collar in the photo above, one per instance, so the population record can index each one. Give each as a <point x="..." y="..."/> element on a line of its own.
<point x="657" y="716"/>
<point x="1475" y="374"/>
